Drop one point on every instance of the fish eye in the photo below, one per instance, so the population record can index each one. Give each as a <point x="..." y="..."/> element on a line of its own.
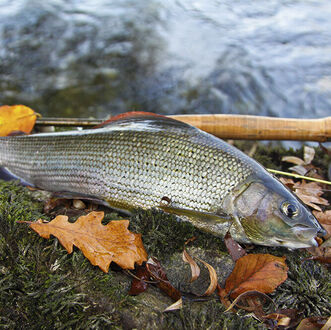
<point x="289" y="209"/>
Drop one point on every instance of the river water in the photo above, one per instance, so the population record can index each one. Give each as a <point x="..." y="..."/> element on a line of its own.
<point x="96" y="57"/>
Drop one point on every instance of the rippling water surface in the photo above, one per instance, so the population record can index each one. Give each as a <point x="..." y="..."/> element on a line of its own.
<point x="98" y="57"/>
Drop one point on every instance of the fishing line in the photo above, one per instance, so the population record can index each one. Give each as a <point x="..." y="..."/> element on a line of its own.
<point x="298" y="176"/>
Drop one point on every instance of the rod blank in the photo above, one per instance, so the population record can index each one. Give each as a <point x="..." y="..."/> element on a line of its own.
<point x="240" y="127"/>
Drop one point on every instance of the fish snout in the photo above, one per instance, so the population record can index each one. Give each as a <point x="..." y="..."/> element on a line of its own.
<point x="320" y="230"/>
<point x="306" y="234"/>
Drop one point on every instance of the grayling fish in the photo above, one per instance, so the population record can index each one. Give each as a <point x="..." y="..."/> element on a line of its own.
<point x="152" y="161"/>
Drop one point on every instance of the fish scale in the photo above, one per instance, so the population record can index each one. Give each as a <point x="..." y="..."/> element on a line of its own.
<point x="127" y="166"/>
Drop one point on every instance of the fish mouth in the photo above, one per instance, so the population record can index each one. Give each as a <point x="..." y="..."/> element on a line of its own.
<point x="306" y="235"/>
<point x="303" y="237"/>
<point x="296" y="244"/>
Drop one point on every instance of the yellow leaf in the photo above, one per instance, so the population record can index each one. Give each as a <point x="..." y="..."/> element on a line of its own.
<point x="16" y="118"/>
<point x="100" y="244"/>
<point x="260" y="272"/>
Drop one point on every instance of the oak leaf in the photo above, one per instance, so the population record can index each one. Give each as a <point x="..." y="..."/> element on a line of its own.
<point x="100" y="244"/>
<point x="16" y="118"/>
<point x="260" y="272"/>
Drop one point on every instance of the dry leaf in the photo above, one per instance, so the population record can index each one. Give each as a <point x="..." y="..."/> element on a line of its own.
<point x="16" y="118"/>
<point x="312" y="323"/>
<point x="310" y="188"/>
<point x="177" y="305"/>
<point x="283" y="317"/>
<point x="139" y="283"/>
<point x="293" y="160"/>
<point x="308" y="154"/>
<point x="259" y="272"/>
<point x="324" y="219"/>
<point x="327" y="325"/>
<point x="287" y="182"/>
<point x="299" y="169"/>
<point x="100" y="244"/>
<point x="235" y="250"/>
<point x="310" y="194"/>
<point x="213" y="278"/>
<point x="252" y="300"/>
<point x="280" y="319"/>
<point x="158" y="274"/>
<point x="195" y="270"/>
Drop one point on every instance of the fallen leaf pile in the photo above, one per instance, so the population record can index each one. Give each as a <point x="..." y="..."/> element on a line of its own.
<point x="16" y="118"/>
<point x="303" y="166"/>
<point x="100" y="244"/>
<point x="310" y="193"/>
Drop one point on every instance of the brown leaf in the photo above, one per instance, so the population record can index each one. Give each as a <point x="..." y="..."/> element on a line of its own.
<point x="157" y="273"/>
<point x="235" y="249"/>
<point x="310" y="188"/>
<point x="312" y="323"/>
<point x="195" y="270"/>
<point x="310" y="194"/>
<point x="52" y="203"/>
<point x="323" y="260"/>
<point x="312" y="201"/>
<point x="16" y="118"/>
<point x="279" y="318"/>
<point x="139" y="284"/>
<point x="213" y="278"/>
<point x="223" y="296"/>
<point x="100" y="244"/>
<point x="324" y="219"/>
<point x="252" y="300"/>
<point x="260" y="272"/>
<point x="322" y="253"/>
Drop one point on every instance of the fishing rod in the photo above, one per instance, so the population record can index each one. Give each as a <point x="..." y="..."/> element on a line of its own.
<point x="239" y="127"/>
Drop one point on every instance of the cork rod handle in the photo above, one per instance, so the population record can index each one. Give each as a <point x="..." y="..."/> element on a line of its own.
<point x="261" y="128"/>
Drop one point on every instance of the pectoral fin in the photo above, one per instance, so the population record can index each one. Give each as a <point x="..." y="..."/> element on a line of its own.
<point x="201" y="216"/>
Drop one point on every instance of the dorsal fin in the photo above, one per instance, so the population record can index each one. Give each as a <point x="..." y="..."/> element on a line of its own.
<point x="148" y="118"/>
<point x="127" y="115"/>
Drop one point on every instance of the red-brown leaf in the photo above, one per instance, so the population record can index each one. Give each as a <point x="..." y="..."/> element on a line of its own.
<point x="260" y="272"/>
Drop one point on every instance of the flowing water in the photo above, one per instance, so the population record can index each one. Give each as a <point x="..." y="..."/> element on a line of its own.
<point x="96" y="57"/>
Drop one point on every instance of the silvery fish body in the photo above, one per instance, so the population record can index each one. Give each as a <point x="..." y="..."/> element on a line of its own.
<point x="153" y="161"/>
